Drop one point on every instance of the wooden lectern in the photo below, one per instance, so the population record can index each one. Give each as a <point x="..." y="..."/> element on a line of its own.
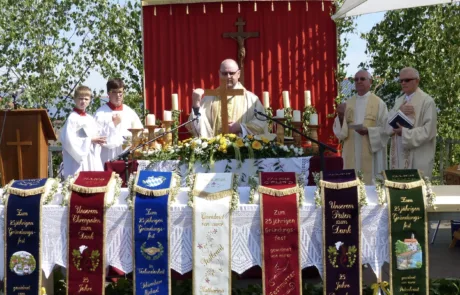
<point x="24" y="144"/>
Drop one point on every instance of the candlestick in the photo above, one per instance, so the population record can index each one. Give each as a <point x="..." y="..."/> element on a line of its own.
<point x="280" y="113"/>
<point x="136" y="139"/>
<point x="150" y="120"/>
<point x="286" y="102"/>
<point x="314" y="134"/>
<point x="151" y="129"/>
<point x="295" y="135"/>
<point x="314" y="119"/>
<point x="296" y="116"/>
<point x="307" y="98"/>
<point x="167" y="116"/>
<point x="280" y="132"/>
<point x="266" y="99"/>
<point x="175" y="102"/>
<point x="168" y="137"/>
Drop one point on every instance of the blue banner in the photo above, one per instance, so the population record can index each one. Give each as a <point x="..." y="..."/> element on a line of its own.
<point x="22" y="231"/>
<point x="151" y="233"/>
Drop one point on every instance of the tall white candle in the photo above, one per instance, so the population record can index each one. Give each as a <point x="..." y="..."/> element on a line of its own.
<point x="307" y="98"/>
<point x="167" y="116"/>
<point x="150" y="120"/>
<point x="314" y="119"/>
<point x="280" y="113"/>
<point x="286" y="103"/>
<point x="175" y="102"/>
<point x="136" y="125"/>
<point x="266" y="99"/>
<point x="296" y="116"/>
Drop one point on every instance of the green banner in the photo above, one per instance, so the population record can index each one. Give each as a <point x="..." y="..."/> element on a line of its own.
<point x="408" y="232"/>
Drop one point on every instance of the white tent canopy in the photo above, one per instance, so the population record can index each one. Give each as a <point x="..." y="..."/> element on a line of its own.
<point x="358" y="7"/>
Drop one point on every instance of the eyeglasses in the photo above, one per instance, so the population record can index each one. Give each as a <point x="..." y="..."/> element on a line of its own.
<point x="406" y="80"/>
<point x="360" y="79"/>
<point x="228" y="73"/>
<point x="116" y="91"/>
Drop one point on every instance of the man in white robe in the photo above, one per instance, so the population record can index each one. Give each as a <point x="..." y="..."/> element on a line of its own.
<point x="360" y="124"/>
<point x="241" y="118"/>
<point x="414" y="148"/>
<point x="115" y="118"/>
<point x="80" y="140"/>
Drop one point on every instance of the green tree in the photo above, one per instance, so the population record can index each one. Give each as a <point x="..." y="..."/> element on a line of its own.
<point x="426" y="38"/>
<point x="400" y="247"/>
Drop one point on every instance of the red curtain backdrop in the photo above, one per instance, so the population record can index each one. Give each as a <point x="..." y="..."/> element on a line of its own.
<point x="296" y="51"/>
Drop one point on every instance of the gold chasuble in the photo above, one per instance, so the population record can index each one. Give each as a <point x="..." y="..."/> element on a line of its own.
<point x="240" y="109"/>
<point x="370" y="120"/>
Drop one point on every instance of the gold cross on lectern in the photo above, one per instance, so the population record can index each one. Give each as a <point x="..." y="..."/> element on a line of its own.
<point x="18" y="143"/>
<point x="223" y="92"/>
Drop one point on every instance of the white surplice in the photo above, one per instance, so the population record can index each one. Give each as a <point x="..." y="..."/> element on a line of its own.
<point x="79" y="153"/>
<point x="115" y="134"/>
<point x="377" y="137"/>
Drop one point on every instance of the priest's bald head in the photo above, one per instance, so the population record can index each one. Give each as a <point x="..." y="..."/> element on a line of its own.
<point x="230" y="71"/>
<point x="409" y="79"/>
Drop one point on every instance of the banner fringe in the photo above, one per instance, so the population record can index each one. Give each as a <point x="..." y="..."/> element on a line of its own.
<point x="337" y="186"/>
<point x="151" y="193"/>
<point x="278" y="193"/>
<point x="213" y="196"/>
<point x="404" y="185"/>
<point x="89" y="190"/>
<point x="26" y="193"/>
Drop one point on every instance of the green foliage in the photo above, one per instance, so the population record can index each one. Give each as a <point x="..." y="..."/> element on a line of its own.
<point x="400" y="247"/>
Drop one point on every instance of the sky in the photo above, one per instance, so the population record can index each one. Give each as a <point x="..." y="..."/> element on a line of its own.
<point x="355" y="52"/>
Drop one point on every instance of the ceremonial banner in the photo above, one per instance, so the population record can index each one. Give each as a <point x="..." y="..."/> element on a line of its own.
<point x="151" y="232"/>
<point x="342" y="274"/>
<point x="23" y="273"/>
<point x="279" y="215"/>
<point x="86" y="230"/>
<point x="408" y="232"/>
<point x="212" y="196"/>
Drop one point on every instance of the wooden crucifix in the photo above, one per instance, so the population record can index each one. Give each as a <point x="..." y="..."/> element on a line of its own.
<point x="223" y="92"/>
<point x="18" y="145"/>
<point x="240" y="36"/>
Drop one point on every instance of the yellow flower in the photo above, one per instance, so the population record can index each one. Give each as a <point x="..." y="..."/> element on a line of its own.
<point x="256" y="145"/>
<point x="250" y="136"/>
<point x="223" y="141"/>
<point x="239" y="142"/>
<point x="231" y="135"/>
<point x="211" y="141"/>
<point x="264" y="139"/>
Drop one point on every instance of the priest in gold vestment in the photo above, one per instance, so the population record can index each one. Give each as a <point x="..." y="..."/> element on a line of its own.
<point x="414" y="148"/>
<point x="360" y="125"/>
<point x="241" y="118"/>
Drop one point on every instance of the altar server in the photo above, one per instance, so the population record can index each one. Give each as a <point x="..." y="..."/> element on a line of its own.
<point x="80" y="140"/>
<point x="360" y="125"/>
<point x="116" y="118"/>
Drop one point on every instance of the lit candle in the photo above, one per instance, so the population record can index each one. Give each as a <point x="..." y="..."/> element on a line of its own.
<point x="167" y="116"/>
<point x="286" y="102"/>
<point x="280" y="113"/>
<point x="307" y="98"/>
<point x="150" y="120"/>
<point x="314" y="119"/>
<point x="266" y="99"/>
<point x="296" y="116"/>
<point x="175" y="102"/>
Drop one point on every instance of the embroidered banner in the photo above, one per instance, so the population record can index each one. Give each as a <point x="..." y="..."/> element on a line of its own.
<point x="408" y="232"/>
<point x="279" y="216"/>
<point x="151" y="233"/>
<point x="86" y="254"/>
<point x="212" y="195"/>
<point x="341" y="233"/>
<point x="23" y="273"/>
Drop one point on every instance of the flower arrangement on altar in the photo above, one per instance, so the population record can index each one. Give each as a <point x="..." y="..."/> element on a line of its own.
<point x="222" y="147"/>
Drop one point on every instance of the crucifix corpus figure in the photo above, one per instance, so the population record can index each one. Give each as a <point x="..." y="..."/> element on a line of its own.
<point x="240" y="36"/>
<point x="227" y="109"/>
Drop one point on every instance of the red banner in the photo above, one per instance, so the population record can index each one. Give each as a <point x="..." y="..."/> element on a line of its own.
<point x="280" y="238"/>
<point x="86" y="255"/>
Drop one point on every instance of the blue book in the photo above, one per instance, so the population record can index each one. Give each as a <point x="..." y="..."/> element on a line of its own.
<point x="402" y="119"/>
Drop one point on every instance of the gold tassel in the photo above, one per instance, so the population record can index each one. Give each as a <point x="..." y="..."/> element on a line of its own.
<point x="337" y="186"/>
<point x="170" y="9"/>
<point x="278" y="192"/>
<point x="186" y="9"/>
<point x="155" y="11"/>
<point x="239" y="7"/>
<point x="213" y="196"/>
<point x="151" y="193"/>
<point x="89" y="190"/>
<point x="204" y="8"/>
<point x="404" y="185"/>
<point x="322" y="5"/>
<point x="289" y="6"/>
<point x="26" y="193"/>
<point x="273" y="6"/>
<point x="221" y="7"/>
<point x="306" y="5"/>
<point x="255" y="6"/>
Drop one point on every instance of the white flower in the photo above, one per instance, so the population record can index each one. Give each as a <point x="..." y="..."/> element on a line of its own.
<point x="246" y="144"/>
<point x="198" y="141"/>
<point x="187" y="145"/>
<point x="204" y="145"/>
<point x="83" y="248"/>
<point x="198" y="151"/>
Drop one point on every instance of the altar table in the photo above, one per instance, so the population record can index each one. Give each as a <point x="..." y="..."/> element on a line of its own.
<point x="245" y="232"/>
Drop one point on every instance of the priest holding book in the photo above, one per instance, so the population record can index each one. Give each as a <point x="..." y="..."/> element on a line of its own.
<point x="360" y="125"/>
<point x="413" y="147"/>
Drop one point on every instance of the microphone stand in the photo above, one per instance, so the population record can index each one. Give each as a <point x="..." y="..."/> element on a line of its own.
<point x="124" y="155"/>
<point x="322" y="146"/>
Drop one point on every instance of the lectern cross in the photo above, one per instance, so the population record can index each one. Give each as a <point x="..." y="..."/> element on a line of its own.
<point x="223" y="92"/>
<point x="18" y="145"/>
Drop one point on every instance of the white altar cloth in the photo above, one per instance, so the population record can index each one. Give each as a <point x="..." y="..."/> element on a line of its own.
<point x="245" y="232"/>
